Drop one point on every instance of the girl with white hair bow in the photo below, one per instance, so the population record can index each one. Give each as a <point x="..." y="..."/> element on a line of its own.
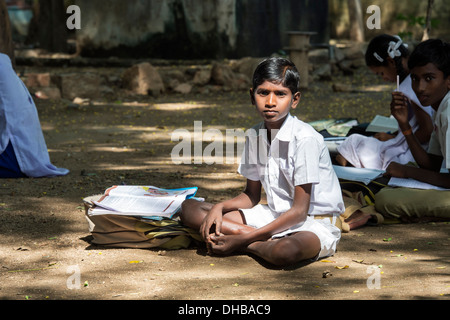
<point x="387" y="57"/>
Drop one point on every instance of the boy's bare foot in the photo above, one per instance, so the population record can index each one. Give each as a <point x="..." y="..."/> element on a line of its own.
<point x="357" y="219"/>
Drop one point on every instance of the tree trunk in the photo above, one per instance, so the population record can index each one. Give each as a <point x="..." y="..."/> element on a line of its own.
<point x="6" y="43"/>
<point x="356" y="20"/>
<point x="426" y="31"/>
<point x="53" y="33"/>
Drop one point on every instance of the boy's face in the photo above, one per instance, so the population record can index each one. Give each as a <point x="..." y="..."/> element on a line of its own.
<point x="429" y="84"/>
<point x="274" y="102"/>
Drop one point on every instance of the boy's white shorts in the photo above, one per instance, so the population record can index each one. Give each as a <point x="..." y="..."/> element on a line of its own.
<point x="329" y="235"/>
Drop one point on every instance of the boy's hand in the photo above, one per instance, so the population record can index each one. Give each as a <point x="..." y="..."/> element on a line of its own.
<point x="213" y="218"/>
<point x="396" y="170"/>
<point x="225" y="244"/>
<point x="399" y="108"/>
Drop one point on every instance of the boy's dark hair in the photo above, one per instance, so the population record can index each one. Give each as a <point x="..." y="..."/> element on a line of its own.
<point x="377" y="53"/>
<point x="277" y="70"/>
<point x="433" y="51"/>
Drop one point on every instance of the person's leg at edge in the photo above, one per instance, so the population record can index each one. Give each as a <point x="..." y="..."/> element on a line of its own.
<point x="9" y="167"/>
<point x="413" y="205"/>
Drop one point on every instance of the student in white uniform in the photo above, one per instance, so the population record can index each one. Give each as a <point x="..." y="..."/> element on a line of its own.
<point x="430" y="73"/>
<point x="387" y="56"/>
<point x="289" y="160"/>
<point x="23" y="151"/>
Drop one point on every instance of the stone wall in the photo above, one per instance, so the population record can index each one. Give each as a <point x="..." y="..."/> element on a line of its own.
<point x="83" y="84"/>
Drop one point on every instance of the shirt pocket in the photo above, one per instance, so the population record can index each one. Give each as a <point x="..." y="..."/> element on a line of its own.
<point x="286" y="174"/>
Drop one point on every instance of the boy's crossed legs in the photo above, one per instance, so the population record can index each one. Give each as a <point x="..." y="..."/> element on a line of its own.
<point x="283" y="251"/>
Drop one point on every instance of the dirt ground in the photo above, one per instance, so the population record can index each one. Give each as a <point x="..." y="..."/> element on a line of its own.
<point x="127" y="140"/>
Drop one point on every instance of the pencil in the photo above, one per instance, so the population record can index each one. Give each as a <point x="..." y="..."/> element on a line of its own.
<point x="398" y="83"/>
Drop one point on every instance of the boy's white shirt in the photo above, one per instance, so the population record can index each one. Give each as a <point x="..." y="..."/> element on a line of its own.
<point x="440" y="138"/>
<point x="296" y="156"/>
<point x="19" y="124"/>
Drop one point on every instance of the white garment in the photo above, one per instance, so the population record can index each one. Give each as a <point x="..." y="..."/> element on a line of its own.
<point x="19" y="124"/>
<point x="369" y="152"/>
<point x="296" y="156"/>
<point x="440" y="139"/>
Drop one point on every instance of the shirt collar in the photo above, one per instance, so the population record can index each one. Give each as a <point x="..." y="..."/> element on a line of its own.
<point x="283" y="134"/>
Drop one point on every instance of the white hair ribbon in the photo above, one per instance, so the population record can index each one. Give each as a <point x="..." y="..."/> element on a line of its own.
<point x="393" y="50"/>
<point x="377" y="56"/>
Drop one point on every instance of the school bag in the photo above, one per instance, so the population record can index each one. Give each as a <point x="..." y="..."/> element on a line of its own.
<point x="120" y="231"/>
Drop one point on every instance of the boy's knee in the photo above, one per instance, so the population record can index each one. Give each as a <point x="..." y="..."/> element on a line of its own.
<point x="187" y="208"/>
<point x="287" y="252"/>
<point x="187" y="205"/>
<point x="193" y="211"/>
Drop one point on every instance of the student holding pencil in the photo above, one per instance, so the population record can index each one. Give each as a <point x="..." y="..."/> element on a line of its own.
<point x="387" y="57"/>
<point x="430" y="73"/>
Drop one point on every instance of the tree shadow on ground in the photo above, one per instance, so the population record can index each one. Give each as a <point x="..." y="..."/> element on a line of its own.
<point x="128" y="142"/>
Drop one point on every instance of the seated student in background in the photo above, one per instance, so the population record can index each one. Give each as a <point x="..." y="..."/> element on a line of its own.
<point x="387" y="56"/>
<point x="290" y="160"/>
<point x="23" y="151"/>
<point x="430" y="73"/>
